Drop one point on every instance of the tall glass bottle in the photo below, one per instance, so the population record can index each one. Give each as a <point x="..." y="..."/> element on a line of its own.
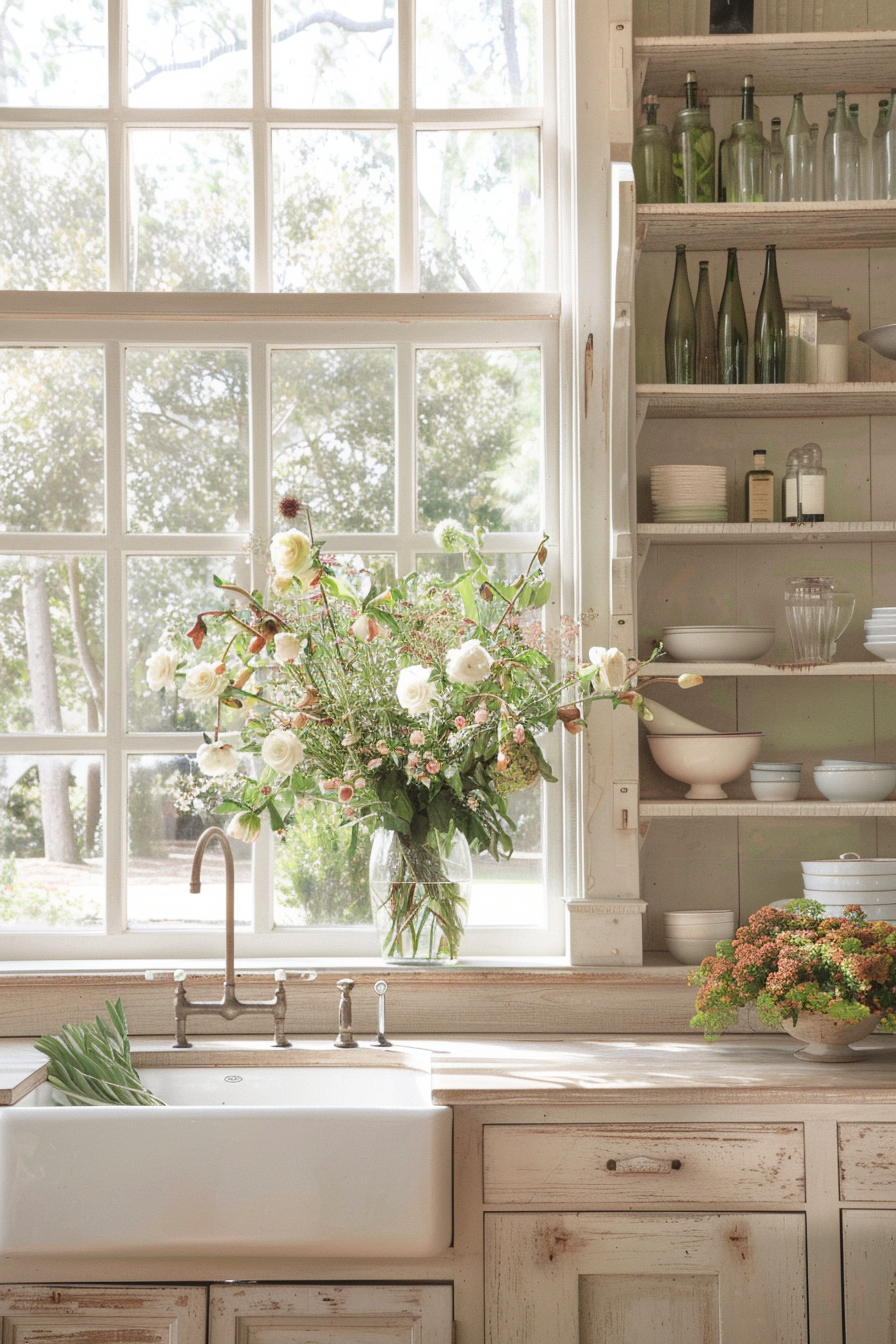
<point x="681" y="327"/>
<point x="652" y="159"/>
<point x="693" y="149"/>
<point x="775" y="186"/>
<point x="746" y="153"/>
<point x="769" y="330"/>
<point x="732" y="327"/>
<point x="888" y="153"/>
<point x="841" y="155"/>
<point x="866" y="187"/>
<point x="877" y="146"/>
<point x="706" y="364"/>
<point x="799" y="155"/>
<point x="731" y="16"/>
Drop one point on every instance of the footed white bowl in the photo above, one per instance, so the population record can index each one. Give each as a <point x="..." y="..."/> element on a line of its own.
<point x="704" y="762"/>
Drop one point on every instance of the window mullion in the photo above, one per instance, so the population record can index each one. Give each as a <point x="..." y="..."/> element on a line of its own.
<point x="117" y="149"/>
<point x="407" y="273"/>
<point x="261" y="514"/>
<point x="261" y="148"/>
<point x="115" y="845"/>
<point x="405" y="456"/>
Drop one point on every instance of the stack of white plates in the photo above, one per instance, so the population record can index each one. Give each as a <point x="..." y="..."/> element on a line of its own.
<point x="880" y="633"/>
<point x="689" y="494"/>
<point x="836" y="883"/>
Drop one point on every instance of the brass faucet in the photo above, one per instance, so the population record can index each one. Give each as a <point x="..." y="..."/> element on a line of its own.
<point x="229" y="1006"/>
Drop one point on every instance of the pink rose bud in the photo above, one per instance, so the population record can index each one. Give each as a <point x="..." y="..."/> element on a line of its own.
<point x="360" y="782"/>
<point x="481" y="716"/>
<point x="519" y="733"/>
<point x="346" y="793"/>
<point x="365" y="627"/>
<point x="460" y="721"/>
<point x="375" y="763"/>
<point x="433" y="767"/>
<point x="417" y="738"/>
<point x="414" y="758"/>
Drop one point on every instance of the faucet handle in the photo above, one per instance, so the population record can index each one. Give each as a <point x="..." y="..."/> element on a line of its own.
<point x="344" y="1038"/>
<point x="379" y="989"/>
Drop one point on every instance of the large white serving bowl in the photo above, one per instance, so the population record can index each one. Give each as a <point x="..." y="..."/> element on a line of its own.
<point x="885" y="649"/>
<point x="883" y="882"/>
<point x="718" y="643"/>
<point x="318" y="1158"/>
<point x="704" y="762"/>
<point x="855" y="786"/>
<point x="848" y="865"/>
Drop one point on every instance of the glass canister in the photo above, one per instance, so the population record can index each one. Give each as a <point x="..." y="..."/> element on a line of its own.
<point x="816" y="617"/>
<point x="833" y="345"/>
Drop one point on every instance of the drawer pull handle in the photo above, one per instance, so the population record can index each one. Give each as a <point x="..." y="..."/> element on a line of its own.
<point x="644" y="1165"/>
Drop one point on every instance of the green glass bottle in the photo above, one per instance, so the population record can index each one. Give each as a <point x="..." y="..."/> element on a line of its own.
<point x="732" y="327"/>
<point x="746" y="153"/>
<point x="769" y="328"/>
<point x="652" y="159"/>
<point x="693" y="149"/>
<point x="706" y="363"/>
<point x="681" y="327"/>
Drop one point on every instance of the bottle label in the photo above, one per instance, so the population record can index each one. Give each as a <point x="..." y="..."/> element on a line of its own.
<point x="812" y="495"/>
<point x="791" y="499"/>
<point x="761" y="499"/>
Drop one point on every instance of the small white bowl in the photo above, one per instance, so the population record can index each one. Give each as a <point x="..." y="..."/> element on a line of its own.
<point x="778" y="792"/>
<point x="855" y="786"/>
<point x="774" y="776"/>
<point x="718" y="643"/>
<point x="688" y="919"/>
<point x="886" y="651"/>
<point x="691" y="951"/>
<point x="777" y="765"/>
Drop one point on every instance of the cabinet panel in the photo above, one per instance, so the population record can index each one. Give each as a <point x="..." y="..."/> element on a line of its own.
<point x="867" y="1161"/>
<point x="641" y="1166"/>
<point x="622" y="1278"/>
<point x="89" y="1315"/>
<point x="869" y="1271"/>
<point x="308" y="1313"/>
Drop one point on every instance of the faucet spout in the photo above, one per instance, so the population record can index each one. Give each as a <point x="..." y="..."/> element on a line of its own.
<point x="205" y="839"/>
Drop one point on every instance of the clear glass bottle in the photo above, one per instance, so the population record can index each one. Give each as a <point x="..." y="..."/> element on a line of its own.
<point x="799" y="155"/>
<point x="888" y="153"/>
<point x="746" y="153"/>
<point x="760" y="490"/>
<point x="841" y="155"/>
<point x="866" y="188"/>
<point x="774" y="190"/>
<point x="769" y="330"/>
<point x="693" y="149"/>
<point x="811" y="479"/>
<point x="681" y="327"/>
<point x="652" y="159"/>
<point x="732" y="327"/>
<point x="790" y="488"/>
<point x="706" y="364"/>
<point x="877" y="146"/>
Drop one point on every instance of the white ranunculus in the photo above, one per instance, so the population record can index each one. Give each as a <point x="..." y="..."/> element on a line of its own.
<point x="282" y="751"/>
<point x="245" y="826"/>
<point x="469" y="664"/>
<point x="286" y="647"/>
<point x="217" y="758"/>
<point x="203" y="682"/>
<point x="290" y="552"/>
<point x="415" y="691"/>
<point x="160" y="670"/>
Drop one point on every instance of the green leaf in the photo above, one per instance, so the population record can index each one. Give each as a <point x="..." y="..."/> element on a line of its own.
<point x="277" y="822"/>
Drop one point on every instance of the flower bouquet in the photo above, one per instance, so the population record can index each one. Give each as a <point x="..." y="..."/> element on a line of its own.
<point x="414" y="709"/>
<point x="797" y="962"/>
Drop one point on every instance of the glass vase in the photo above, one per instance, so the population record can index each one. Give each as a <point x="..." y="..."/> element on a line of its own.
<point x="420" y="892"/>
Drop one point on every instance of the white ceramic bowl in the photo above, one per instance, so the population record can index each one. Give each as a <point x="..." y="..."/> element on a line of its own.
<point x="691" y="951"/>
<point x="856" y="765"/>
<point x="776" y="765"/>
<point x="871" y="882"/>
<point x="848" y="865"/>
<point x="688" y="921"/>
<point x="705" y="762"/>
<point x="773" y="776"/>
<point x="855" y="786"/>
<point x="887" y="650"/>
<point x="718" y="643"/>
<point x="776" y="792"/>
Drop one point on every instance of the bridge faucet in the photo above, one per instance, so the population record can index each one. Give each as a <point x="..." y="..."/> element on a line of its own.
<point x="229" y="1006"/>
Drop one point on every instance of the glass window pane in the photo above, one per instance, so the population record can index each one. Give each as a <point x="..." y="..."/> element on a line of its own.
<point x="165" y="595"/>
<point x="51" y="618"/>
<point x="53" y="209"/>
<point x="187" y="440"/>
<point x="316" y="878"/>
<point x="479" y="438"/>
<point x="51" y="843"/>
<point x="189" y="53"/>
<point x="340" y="57"/>
<point x="479" y="196"/>
<point x="334" y="211"/>
<point x="169" y="806"/>
<point x="333" y="413"/>
<point x="54" y="55"/>
<point x="512" y="892"/>
<point x="190" y="210"/>
<point x="51" y="440"/>
<point x="478" y="53"/>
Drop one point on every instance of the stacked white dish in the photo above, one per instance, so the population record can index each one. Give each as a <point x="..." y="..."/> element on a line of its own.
<point x="718" y="643"/>
<point x="850" y="880"/>
<point x="880" y="633"/>
<point x="689" y="494"/>
<point x="855" y="781"/>
<point x="692" y="935"/>
<point x="775" y="781"/>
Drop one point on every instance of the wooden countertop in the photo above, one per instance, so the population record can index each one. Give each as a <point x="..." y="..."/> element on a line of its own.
<point x="606" y="1070"/>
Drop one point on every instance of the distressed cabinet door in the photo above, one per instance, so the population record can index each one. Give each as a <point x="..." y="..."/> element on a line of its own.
<point x="313" y="1313"/>
<point x="642" y="1278"/>
<point x="33" y="1314"/>
<point x="869" y="1273"/>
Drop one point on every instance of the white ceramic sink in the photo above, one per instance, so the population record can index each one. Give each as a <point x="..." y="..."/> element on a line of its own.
<point x="328" y="1158"/>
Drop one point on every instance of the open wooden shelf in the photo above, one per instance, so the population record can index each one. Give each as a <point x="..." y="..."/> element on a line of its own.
<point x="763" y="534"/>
<point x="830" y="224"/>
<point x="748" y="401"/>
<point x="680" y="808"/>
<point x="779" y="62"/>
<point x="877" y="668"/>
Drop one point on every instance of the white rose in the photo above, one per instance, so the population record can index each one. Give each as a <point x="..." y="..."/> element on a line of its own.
<point x="286" y="648"/>
<point x="245" y="826"/>
<point x="282" y="751"/>
<point x="160" y="670"/>
<point x="217" y="758"/>
<point x="415" y="691"/>
<point x="613" y="666"/>
<point x="290" y="552"/>
<point x="203" y="682"/>
<point x="469" y="664"/>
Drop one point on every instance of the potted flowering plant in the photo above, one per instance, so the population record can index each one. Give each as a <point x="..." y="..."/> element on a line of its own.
<point x="414" y="710"/>
<point x="826" y="980"/>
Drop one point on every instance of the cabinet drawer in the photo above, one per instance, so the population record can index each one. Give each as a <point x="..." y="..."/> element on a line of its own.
<point x="640" y="1166"/>
<point x="867" y="1161"/>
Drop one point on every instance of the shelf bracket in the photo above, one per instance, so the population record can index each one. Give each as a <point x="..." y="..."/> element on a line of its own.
<point x="643" y="828"/>
<point x="643" y="552"/>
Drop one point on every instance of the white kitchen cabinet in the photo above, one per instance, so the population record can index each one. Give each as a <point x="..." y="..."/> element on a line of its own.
<point x="312" y="1313"/>
<point x="38" y="1314"/>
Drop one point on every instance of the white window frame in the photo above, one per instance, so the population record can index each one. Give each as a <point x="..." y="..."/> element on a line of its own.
<point x="262" y="322"/>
